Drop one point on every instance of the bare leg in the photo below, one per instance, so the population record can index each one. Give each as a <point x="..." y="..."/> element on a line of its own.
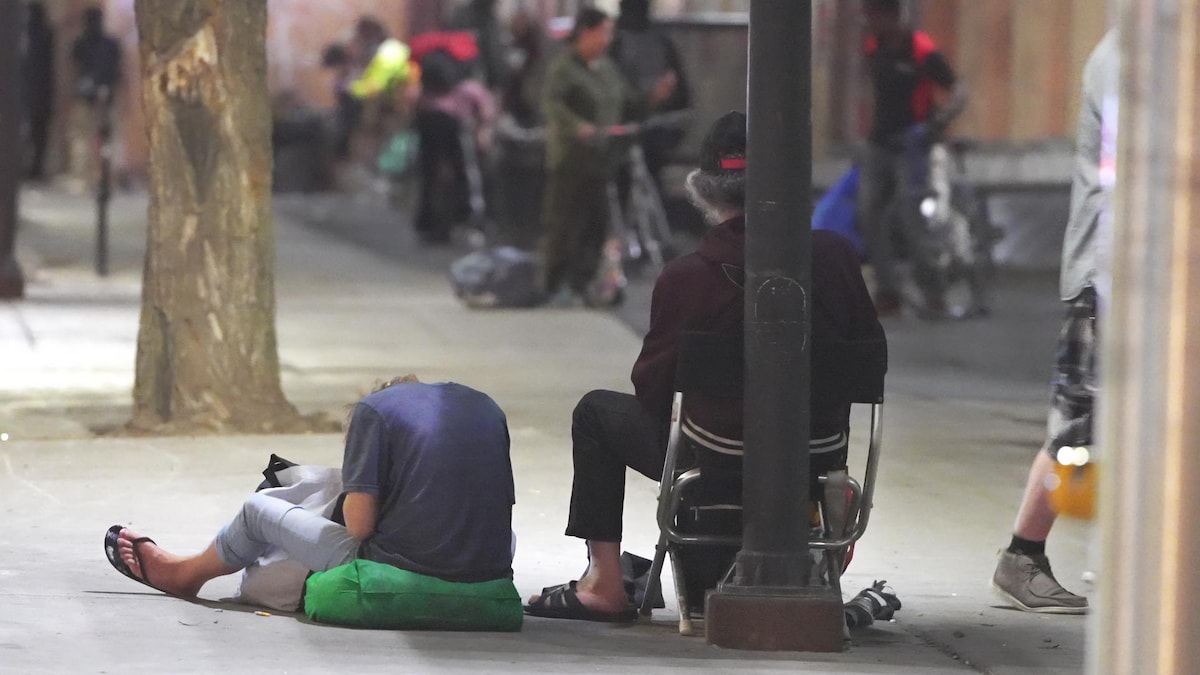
<point x="182" y="576"/>
<point x="602" y="587"/>
<point x="1036" y="517"/>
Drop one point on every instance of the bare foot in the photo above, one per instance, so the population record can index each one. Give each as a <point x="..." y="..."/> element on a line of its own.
<point x="163" y="570"/>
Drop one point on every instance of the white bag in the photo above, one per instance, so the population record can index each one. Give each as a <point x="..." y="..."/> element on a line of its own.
<point x="275" y="580"/>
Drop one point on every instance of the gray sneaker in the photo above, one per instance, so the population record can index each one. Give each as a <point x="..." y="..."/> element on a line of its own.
<point x="1027" y="582"/>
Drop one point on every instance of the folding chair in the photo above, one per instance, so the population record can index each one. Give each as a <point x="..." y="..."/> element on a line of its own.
<point x="711" y="365"/>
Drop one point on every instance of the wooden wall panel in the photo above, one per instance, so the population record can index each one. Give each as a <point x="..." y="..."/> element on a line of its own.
<point x="1041" y="67"/>
<point x="939" y="18"/>
<point x="1089" y="20"/>
<point x="984" y="59"/>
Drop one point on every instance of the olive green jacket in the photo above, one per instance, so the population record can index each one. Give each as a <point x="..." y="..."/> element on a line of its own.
<point x="576" y="93"/>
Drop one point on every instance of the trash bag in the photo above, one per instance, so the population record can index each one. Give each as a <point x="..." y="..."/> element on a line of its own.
<point x="497" y="277"/>
<point x="837" y="211"/>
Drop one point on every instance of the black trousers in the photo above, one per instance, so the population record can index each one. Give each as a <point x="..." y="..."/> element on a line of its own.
<point x="444" y="199"/>
<point x="610" y="431"/>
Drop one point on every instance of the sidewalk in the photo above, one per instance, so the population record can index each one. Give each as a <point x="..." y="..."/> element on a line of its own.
<point x="952" y="473"/>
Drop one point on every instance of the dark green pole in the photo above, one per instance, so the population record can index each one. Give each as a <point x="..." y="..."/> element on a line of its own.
<point x="770" y="601"/>
<point x="12" y="283"/>
<point x="778" y="281"/>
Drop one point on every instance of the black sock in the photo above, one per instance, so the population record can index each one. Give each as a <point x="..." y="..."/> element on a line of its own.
<point x="1027" y="547"/>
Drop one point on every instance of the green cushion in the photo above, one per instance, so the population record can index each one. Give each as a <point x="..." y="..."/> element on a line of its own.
<point x="368" y="594"/>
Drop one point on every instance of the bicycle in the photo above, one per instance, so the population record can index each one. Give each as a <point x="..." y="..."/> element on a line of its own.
<point x="639" y="230"/>
<point x="642" y="222"/>
<point x="957" y="219"/>
<point x="945" y="227"/>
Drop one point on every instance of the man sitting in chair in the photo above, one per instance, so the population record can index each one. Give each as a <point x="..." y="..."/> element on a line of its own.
<point x="697" y="292"/>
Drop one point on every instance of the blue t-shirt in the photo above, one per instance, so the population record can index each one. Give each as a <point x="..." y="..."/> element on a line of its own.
<point x="436" y="457"/>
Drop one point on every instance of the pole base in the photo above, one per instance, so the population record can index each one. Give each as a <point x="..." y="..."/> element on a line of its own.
<point x="811" y="621"/>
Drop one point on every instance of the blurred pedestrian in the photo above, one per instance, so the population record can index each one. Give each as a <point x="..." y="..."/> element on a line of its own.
<point x="520" y="92"/>
<point x="96" y="59"/>
<point x="479" y="17"/>
<point x="38" y="69"/>
<point x="584" y="98"/>
<point x="906" y="68"/>
<point x="645" y="54"/>
<point x="386" y="71"/>
<point x="347" y="109"/>
<point x="455" y="122"/>
<point x="1023" y="576"/>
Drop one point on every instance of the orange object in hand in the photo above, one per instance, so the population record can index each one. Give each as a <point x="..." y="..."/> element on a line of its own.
<point x="1073" y="483"/>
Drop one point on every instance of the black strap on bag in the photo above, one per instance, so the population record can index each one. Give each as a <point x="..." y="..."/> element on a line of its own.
<point x="274" y="466"/>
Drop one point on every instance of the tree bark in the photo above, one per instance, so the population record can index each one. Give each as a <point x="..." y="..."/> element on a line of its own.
<point x="207" y="357"/>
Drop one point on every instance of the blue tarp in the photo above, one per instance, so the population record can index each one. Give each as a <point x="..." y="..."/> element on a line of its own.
<point x="836" y="210"/>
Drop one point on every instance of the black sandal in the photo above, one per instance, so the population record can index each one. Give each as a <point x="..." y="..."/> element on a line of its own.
<point x="114" y="556"/>
<point x="562" y="602"/>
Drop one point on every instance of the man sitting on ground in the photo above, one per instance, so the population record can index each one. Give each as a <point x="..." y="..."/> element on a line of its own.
<point x="429" y="489"/>
<point x="697" y="292"/>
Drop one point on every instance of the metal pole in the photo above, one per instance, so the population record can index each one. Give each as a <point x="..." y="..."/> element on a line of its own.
<point x="1146" y="619"/>
<point x="102" y="108"/>
<point x="768" y="601"/>
<point x="778" y="279"/>
<point x="12" y="282"/>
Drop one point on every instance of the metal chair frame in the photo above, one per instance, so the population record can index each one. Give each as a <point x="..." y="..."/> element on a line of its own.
<point x="712" y="364"/>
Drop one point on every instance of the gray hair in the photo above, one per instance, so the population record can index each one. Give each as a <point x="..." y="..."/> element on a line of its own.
<point x="717" y="196"/>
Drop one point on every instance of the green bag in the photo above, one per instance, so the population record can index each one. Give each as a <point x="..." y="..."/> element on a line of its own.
<point x="400" y="155"/>
<point x="368" y="594"/>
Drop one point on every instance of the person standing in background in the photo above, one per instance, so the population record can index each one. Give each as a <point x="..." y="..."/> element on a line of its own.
<point x="96" y="58"/>
<point x="479" y="17"/>
<point x="645" y="54"/>
<point x="38" y="71"/>
<point x="906" y="69"/>
<point x="584" y="99"/>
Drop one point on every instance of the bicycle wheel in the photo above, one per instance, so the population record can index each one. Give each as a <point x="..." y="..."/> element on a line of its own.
<point x="971" y="268"/>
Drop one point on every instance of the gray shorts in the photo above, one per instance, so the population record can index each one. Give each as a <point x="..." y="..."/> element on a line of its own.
<point x="1074" y="387"/>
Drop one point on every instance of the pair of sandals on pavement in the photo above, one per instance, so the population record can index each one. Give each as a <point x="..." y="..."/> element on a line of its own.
<point x="111" y="539"/>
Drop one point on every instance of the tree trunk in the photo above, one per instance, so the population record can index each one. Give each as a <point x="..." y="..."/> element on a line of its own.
<point x="207" y="357"/>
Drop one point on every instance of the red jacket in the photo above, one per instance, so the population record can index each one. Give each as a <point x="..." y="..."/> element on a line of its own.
<point x="702" y="291"/>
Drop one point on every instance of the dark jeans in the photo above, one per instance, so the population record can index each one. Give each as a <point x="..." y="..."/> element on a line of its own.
<point x="889" y="197"/>
<point x="610" y="431"/>
<point x="444" y="199"/>
<point x="574" y="224"/>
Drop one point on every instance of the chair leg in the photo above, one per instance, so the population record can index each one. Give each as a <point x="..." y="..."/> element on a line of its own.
<point x="686" y="625"/>
<point x="654" y="580"/>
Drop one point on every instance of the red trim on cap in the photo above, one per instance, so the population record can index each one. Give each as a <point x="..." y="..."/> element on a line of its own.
<point x="729" y="163"/>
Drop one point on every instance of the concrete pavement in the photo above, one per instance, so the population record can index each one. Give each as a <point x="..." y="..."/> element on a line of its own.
<point x="964" y="414"/>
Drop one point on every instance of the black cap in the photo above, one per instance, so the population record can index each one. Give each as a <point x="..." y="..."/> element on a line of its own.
<point x="725" y="144"/>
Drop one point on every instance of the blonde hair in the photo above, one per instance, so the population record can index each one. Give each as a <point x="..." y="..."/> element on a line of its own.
<point x="379" y="386"/>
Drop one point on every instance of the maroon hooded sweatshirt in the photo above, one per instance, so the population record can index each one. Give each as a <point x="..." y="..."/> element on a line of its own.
<point x="703" y="291"/>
